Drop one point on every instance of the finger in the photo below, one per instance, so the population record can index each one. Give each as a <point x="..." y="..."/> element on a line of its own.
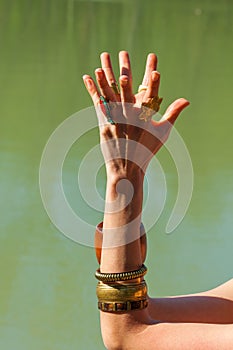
<point x="151" y="65"/>
<point x="125" y="77"/>
<point x="125" y="67"/>
<point x="107" y="67"/>
<point x="174" y="110"/>
<point x="126" y="90"/>
<point x="153" y="86"/>
<point x="95" y="95"/>
<point x="105" y="89"/>
<point x="92" y="89"/>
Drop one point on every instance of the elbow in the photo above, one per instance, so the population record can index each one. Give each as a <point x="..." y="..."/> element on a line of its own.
<point x="113" y="346"/>
<point x="112" y="342"/>
<point x="121" y="332"/>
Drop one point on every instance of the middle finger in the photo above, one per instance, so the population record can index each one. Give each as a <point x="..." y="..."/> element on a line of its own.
<point x="125" y="77"/>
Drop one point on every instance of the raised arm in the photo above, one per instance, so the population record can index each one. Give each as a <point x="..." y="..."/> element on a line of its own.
<point x="129" y="139"/>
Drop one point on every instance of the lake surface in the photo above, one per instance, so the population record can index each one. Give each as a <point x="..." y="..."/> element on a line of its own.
<point x="47" y="291"/>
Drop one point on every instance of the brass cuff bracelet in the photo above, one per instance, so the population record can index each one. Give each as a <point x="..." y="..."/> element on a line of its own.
<point x="121" y="292"/>
<point x="121" y="276"/>
<point x="99" y="242"/>
<point x="124" y="306"/>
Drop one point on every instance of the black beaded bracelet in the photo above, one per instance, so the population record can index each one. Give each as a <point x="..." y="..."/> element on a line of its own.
<point x="121" y="276"/>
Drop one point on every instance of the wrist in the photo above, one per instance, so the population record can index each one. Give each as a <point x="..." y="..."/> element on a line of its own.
<point x="124" y="200"/>
<point x="135" y="177"/>
<point x="126" y="189"/>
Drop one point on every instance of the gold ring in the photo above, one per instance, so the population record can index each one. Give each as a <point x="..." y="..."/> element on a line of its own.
<point x="142" y="88"/>
<point x="115" y="88"/>
<point x="149" y="108"/>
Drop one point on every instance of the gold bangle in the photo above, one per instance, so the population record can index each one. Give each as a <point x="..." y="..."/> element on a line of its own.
<point x="124" y="306"/>
<point x="121" y="276"/>
<point x="121" y="292"/>
<point x="99" y="242"/>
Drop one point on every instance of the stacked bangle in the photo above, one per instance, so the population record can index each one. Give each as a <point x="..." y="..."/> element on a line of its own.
<point x="121" y="276"/>
<point x="122" y="307"/>
<point x="121" y="297"/>
<point x="121" y="292"/>
<point x="114" y="296"/>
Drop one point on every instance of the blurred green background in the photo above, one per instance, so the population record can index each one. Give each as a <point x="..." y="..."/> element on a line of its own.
<point x="47" y="289"/>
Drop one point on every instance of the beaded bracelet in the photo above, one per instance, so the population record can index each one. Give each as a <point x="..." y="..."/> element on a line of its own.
<point x="121" y="276"/>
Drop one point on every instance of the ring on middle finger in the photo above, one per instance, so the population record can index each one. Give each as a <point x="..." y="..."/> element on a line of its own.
<point x="115" y="88"/>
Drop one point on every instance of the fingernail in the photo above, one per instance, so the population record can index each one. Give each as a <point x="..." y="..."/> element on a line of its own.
<point x="124" y="80"/>
<point x="88" y="83"/>
<point x="99" y="73"/>
<point x="155" y="76"/>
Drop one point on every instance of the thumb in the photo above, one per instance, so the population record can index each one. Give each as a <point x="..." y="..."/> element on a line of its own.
<point x="174" y="110"/>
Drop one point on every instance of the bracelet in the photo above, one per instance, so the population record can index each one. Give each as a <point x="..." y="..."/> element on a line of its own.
<point x="121" y="292"/>
<point x="99" y="242"/>
<point x="121" y="276"/>
<point x="124" y="306"/>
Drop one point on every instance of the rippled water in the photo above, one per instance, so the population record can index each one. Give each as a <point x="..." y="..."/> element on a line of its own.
<point x="47" y="292"/>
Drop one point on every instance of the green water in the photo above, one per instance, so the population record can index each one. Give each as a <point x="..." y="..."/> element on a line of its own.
<point x="47" y="289"/>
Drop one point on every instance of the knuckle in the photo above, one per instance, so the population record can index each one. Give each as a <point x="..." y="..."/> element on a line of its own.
<point x="106" y="133"/>
<point x="95" y="97"/>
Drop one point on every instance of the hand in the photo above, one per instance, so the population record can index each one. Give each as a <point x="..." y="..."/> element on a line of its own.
<point x="130" y="143"/>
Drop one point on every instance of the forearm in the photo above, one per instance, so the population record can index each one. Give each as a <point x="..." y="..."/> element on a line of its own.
<point x="194" y="308"/>
<point x="122" y="252"/>
<point x="212" y="306"/>
<point x="121" y="230"/>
